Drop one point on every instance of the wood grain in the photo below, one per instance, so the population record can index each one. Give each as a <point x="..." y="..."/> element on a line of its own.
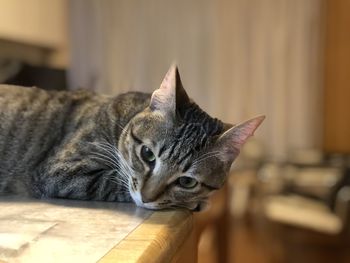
<point x="160" y="238"/>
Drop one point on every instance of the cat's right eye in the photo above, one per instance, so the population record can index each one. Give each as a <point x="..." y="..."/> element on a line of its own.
<point x="187" y="182"/>
<point x="147" y="155"/>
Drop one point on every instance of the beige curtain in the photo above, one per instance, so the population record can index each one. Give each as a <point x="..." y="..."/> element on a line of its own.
<point x="237" y="58"/>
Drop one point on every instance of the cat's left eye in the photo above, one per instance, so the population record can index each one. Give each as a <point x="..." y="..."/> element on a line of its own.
<point x="147" y="155"/>
<point x="187" y="182"/>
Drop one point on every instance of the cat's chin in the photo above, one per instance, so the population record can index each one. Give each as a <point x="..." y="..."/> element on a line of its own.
<point x="152" y="206"/>
<point x="137" y="198"/>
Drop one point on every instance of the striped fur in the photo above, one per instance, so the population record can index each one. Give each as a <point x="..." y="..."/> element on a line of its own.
<point x="52" y="144"/>
<point x="80" y="145"/>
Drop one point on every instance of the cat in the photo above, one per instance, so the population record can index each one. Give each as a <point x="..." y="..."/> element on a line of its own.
<point x="158" y="150"/>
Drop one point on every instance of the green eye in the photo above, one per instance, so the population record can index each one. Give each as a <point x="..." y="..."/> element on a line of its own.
<point x="147" y="155"/>
<point x="187" y="182"/>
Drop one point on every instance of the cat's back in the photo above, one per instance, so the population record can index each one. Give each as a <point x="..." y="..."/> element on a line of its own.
<point x="33" y="121"/>
<point x="23" y="108"/>
<point x="18" y="107"/>
<point x="11" y="96"/>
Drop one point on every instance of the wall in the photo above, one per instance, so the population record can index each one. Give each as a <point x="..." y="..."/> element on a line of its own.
<point x="337" y="78"/>
<point x="237" y="58"/>
<point x="35" y="23"/>
<point x="270" y="60"/>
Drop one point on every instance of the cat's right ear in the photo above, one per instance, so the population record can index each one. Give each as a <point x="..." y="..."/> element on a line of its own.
<point x="231" y="141"/>
<point x="171" y="97"/>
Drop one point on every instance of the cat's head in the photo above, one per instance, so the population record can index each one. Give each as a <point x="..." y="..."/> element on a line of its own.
<point x="178" y="153"/>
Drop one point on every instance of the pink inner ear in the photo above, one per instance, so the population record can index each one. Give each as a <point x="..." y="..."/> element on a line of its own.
<point x="161" y="97"/>
<point x="245" y="130"/>
<point x="164" y="97"/>
<point x="240" y="133"/>
<point x="233" y="139"/>
<point x="169" y="81"/>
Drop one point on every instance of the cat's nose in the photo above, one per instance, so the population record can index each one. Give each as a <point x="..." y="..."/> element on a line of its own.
<point x="152" y="190"/>
<point x="148" y="198"/>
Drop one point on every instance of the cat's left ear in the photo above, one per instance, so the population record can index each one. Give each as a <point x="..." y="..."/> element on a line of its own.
<point x="231" y="141"/>
<point x="171" y="97"/>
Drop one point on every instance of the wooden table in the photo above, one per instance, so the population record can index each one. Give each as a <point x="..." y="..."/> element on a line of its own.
<point x="75" y="231"/>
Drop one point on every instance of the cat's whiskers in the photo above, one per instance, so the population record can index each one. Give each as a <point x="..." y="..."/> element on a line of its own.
<point x="106" y="158"/>
<point x="114" y="167"/>
<point x="123" y="129"/>
<point x="121" y="158"/>
<point x="206" y="156"/>
<point x="124" y="177"/>
<point x="107" y="148"/>
<point x="119" y="182"/>
<point x="114" y="155"/>
<point x="203" y="159"/>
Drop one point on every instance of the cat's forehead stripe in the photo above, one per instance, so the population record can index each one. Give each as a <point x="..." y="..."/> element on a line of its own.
<point x="161" y="150"/>
<point x="184" y="146"/>
<point x="193" y="134"/>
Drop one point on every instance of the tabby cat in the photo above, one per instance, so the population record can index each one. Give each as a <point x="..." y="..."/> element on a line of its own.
<point x="159" y="150"/>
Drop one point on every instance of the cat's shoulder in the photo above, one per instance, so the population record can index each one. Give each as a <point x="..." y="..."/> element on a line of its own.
<point x="132" y="101"/>
<point x="6" y="89"/>
<point x="133" y="97"/>
<point x="15" y="89"/>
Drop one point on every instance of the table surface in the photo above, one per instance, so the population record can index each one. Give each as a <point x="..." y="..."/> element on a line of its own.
<point x="77" y="231"/>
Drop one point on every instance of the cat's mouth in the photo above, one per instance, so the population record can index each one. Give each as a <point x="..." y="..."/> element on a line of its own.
<point x="163" y="204"/>
<point x="137" y="198"/>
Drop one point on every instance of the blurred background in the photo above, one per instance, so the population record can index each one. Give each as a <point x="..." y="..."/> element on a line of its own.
<point x="287" y="197"/>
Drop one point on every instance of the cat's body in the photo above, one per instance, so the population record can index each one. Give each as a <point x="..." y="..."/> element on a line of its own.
<point x="49" y="141"/>
<point x="159" y="150"/>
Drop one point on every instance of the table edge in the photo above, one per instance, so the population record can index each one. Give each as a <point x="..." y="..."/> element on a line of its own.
<point x="157" y="239"/>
